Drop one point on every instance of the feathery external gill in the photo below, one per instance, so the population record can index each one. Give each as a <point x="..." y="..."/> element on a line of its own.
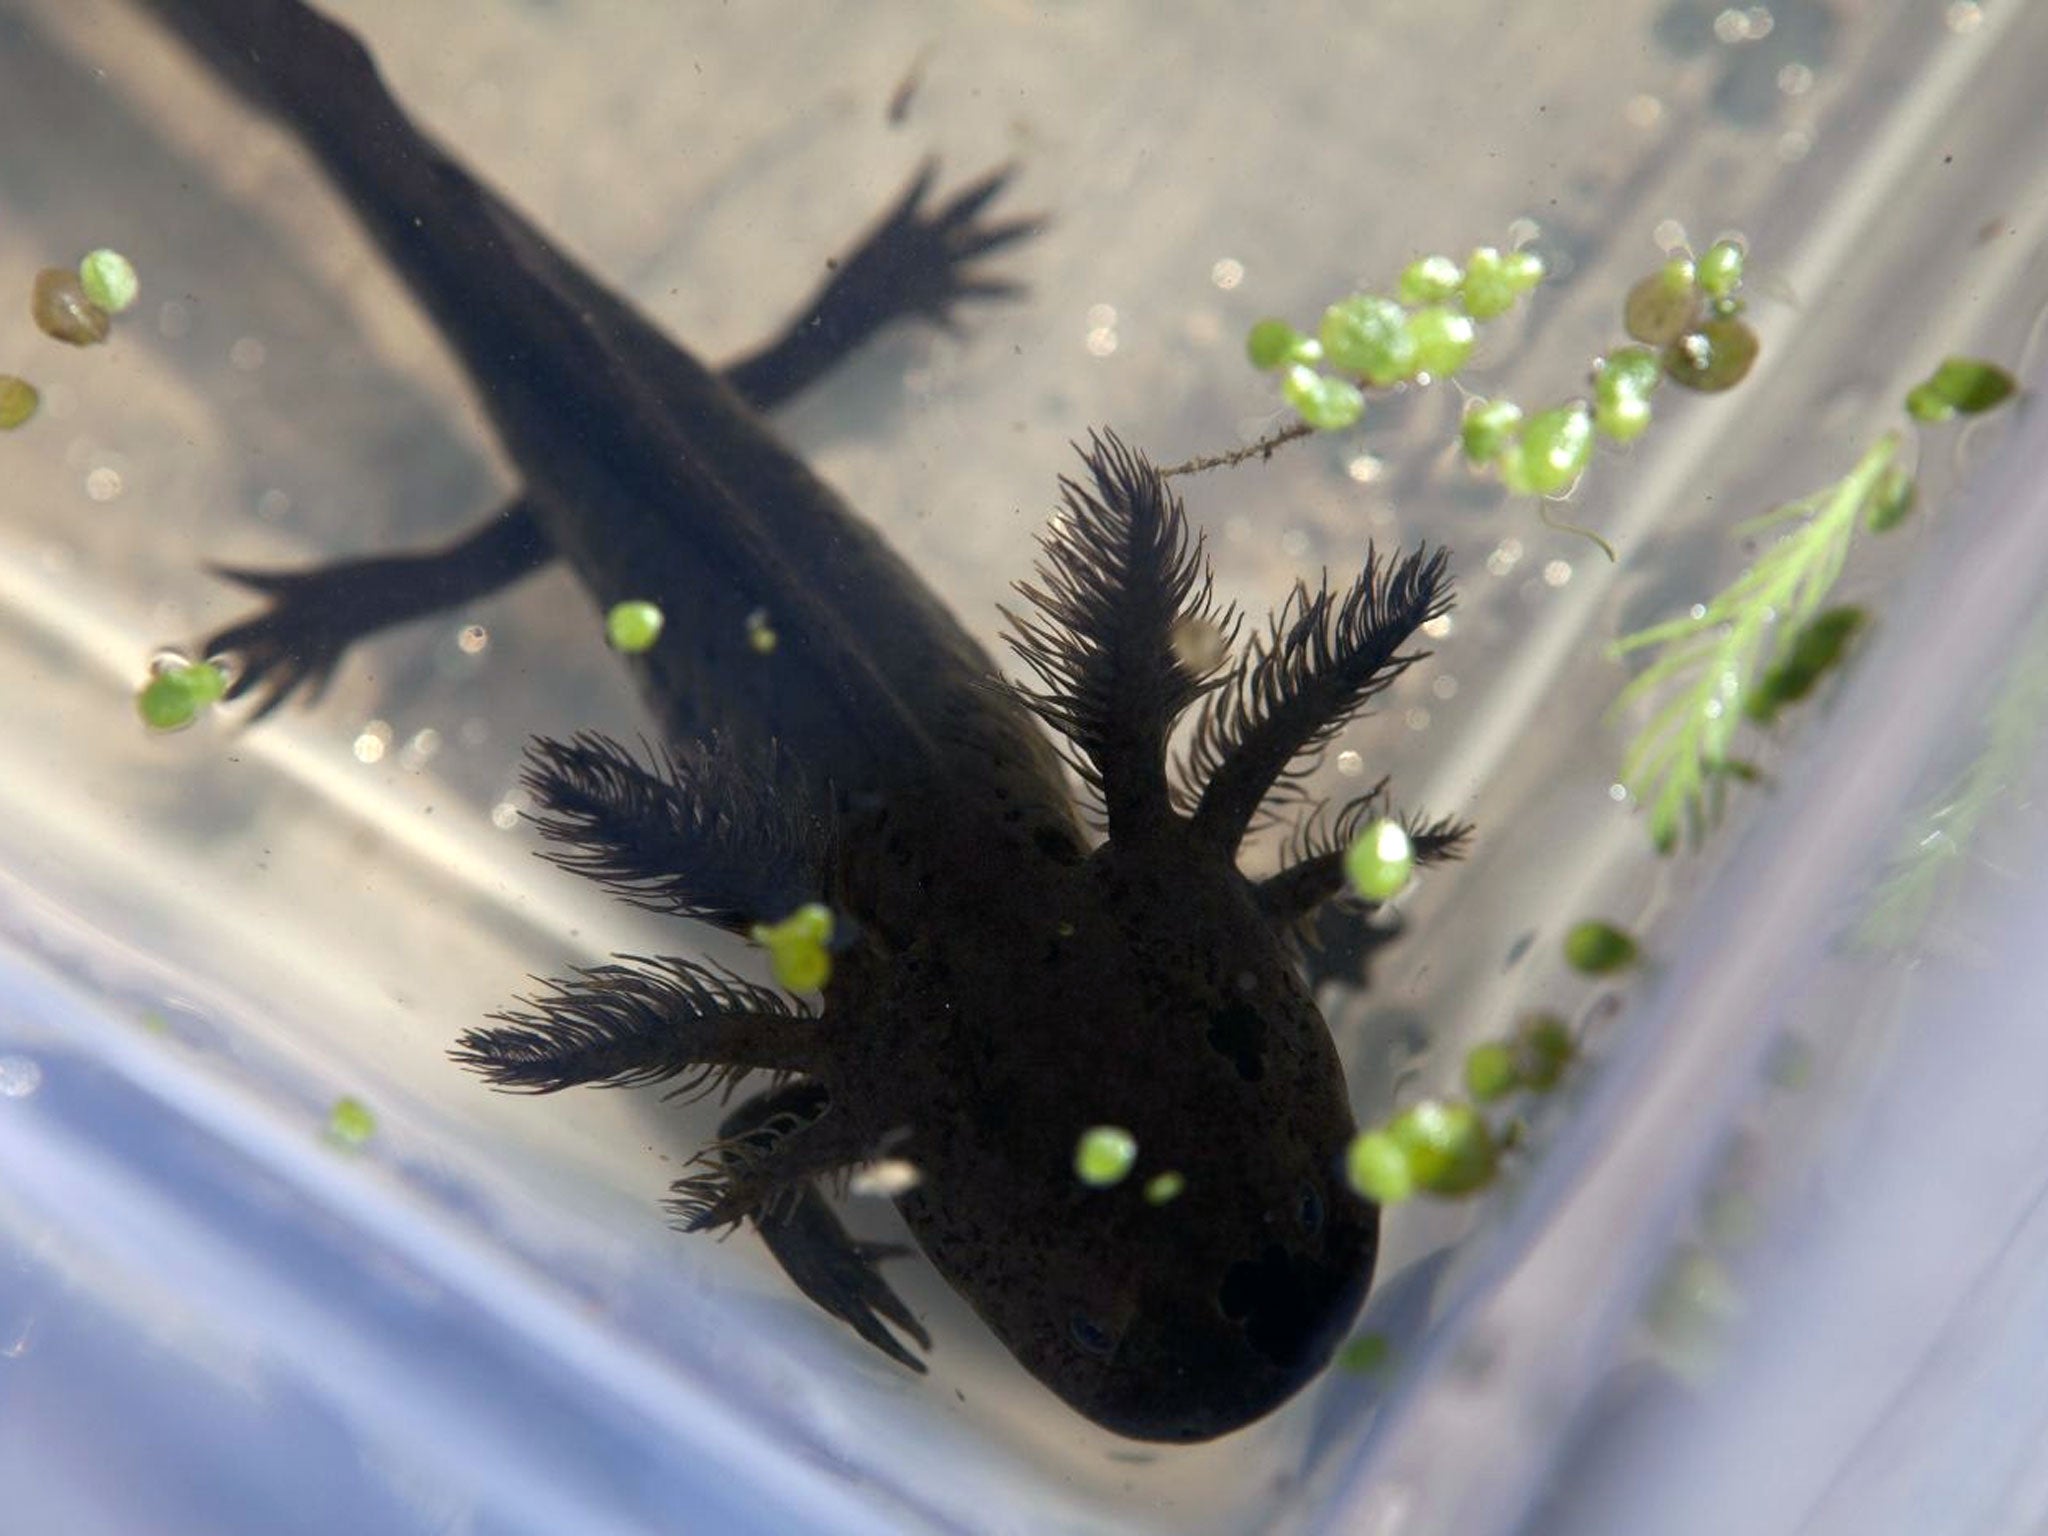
<point x="646" y="1021"/>
<point x="701" y="833"/>
<point x="1120" y="573"/>
<point x="1319" y="662"/>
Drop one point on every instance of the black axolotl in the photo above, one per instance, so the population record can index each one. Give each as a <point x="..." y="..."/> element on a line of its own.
<point x="1006" y="978"/>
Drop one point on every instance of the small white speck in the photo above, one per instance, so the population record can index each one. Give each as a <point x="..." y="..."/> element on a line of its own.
<point x="420" y="750"/>
<point x="1794" y="144"/>
<point x="504" y="815"/>
<point x="1350" y="764"/>
<point x="103" y="484"/>
<point x="1732" y="26"/>
<point x="1523" y="230"/>
<point x="1506" y="555"/>
<point x="20" y="1076"/>
<point x="1698" y="611"/>
<point x="1227" y="274"/>
<point x="174" y="319"/>
<point x="1643" y="111"/>
<point x="371" y="741"/>
<point x="1294" y="544"/>
<point x="1669" y="236"/>
<point x="1761" y="22"/>
<point x="1101" y="341"/>
<point x="248" y="353"/>
<point x="1795" y="79"/>
<point x="1365" y="468"/>
<point x="1440" y="627"/>
<point x="273" y="504"/>
<point x="472" y="639"/>
<point x="1102" y="317"/>
<point x="1445" y="687"/>
<point x="1557" y="572"/>
<point x="1417" y="719"/>
<point x="1963" y="16"/>
<point x="885" y="1176"/>
<point x="1618" y="793"/>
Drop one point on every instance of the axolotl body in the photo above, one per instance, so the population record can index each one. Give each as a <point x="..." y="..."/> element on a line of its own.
<point x="1004" y="979"/>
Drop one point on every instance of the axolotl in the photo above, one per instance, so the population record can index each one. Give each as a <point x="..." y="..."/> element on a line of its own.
<point x="1011" y="968"/>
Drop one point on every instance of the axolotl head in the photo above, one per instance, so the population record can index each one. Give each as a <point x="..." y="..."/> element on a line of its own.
<point x="1215" y="1277"/>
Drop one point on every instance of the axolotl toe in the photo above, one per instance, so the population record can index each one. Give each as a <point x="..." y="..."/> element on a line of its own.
<point x="1002" y="978"/>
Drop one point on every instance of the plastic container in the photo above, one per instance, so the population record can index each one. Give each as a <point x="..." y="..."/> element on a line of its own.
<point x="217" y="1318"/>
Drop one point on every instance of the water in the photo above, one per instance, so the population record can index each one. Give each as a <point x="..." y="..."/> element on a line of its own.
<point x="314" y="908"/>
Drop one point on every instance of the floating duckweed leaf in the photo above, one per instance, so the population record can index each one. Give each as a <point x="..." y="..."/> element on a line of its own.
<point x="62" y="310"/>
<point x="1552" y="453"/>
<point x="1628" y="372"/>
<point x="1444" y="339"/>
<point x="109" y="280"/>
<point x="1489" y="429"/>
<point x="1377" y="1168"/>
<point x="1328" y="405"/>
<point x="633" y="626"/>
<point x="797" y="947"/>
<point x="1449" y="1146"/>
<point x="177" y="694"/>
<point x="1622" y="419"/>
<point x="1164" y="1188"/>
<point x="350" y="1122"/>
<point x="1369" y="336"/>
<point x="1720" y="270"/>
<point x="1892" y="502"/>
<point x="1815" y="647"/>
<point x="1714" y="357"/>
<point x="1542" y="1050"/>
<point x="1430" y="280"/>
<point x="1521" y="270"/>
<point x="1661" y="307"/>
<point x="1490" y="286"/>
<point x="1380" y="860"/>
<point x="1490" y="1072"/>
<point x="1364" y="1355"/>
<point x="1104" y="1156"/>
<point x="1961" y="386"/>
<point x="1273" y="343"/>
<point x="18" y="401"/>
<point x="1599" y="949"/>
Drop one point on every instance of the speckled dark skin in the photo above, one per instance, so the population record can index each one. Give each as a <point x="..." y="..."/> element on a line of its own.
<point x="1004" y="979"/>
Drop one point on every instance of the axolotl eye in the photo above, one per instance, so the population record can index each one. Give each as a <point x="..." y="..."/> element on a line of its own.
<point x="1090" y="1335"/>
<point x="1308" y="1209"/>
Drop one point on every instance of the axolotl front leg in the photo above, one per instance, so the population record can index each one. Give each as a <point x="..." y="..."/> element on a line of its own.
<point x="915" y="262"/>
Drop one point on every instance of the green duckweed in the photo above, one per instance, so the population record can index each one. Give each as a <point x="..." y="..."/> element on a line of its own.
<point x="1104" y="1156"/>
<point x="798" y="947"/>
<point x="633" y="626"/>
